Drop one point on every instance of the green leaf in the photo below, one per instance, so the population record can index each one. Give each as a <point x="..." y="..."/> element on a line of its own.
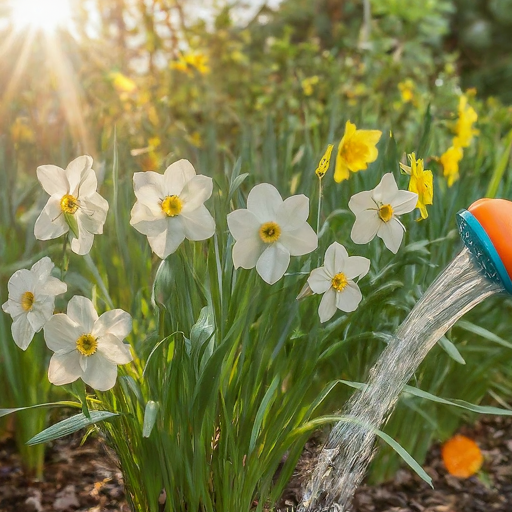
<point x="405" y="456"/>
<point x="480" y="331"/>
<point x="269" y="396"/>
<point x="451" y="350"/>
<point x="150" y="415"/>
<point x="425" y="134"/>
<point x="203" y="328"/>
<point x="208" y="383"/>
<point x="70" y="425"/>
<point x="480" y="409"/>
<point x="233" y="187"/>
<point x="497" y="175"/>
<point x="5" y="412"/>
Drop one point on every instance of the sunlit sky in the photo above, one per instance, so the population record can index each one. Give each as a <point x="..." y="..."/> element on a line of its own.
<point x="46" y="15"/>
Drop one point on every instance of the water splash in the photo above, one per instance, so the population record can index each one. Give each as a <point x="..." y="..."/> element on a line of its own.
<point x="345" y="458"/>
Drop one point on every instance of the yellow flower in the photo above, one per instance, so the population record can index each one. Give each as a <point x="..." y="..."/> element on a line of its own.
<point x="421" y="183"/>
<point x="149" y="161"/>
<point x="407" y="90"/>
<point x="195" y="139"/>
<point x="356" y="150"/>
<point x="192" y="62"/>
<point x="308" y="83"/>
<point x="464" y="128"/>
<point x="154" y="142"/>
<point x="323" y="165"/>
<point x="123" y="85"/>
<point x="180" y="65"/>
<point x="450" y="161"/>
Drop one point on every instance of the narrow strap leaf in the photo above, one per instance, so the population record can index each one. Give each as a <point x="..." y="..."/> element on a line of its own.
<point x="70" y="425"/>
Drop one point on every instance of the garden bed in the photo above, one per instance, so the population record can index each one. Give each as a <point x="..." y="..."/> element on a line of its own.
<point x="84" y="478"/>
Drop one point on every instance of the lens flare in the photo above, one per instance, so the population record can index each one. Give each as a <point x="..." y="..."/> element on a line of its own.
<point x="46" y="15"/>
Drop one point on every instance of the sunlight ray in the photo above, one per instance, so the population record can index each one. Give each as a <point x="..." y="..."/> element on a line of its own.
<point x="69" y="96"/>
<point x="17" y="73"/>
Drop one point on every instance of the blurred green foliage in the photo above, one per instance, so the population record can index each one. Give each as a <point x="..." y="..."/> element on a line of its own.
<point x="481" y="35"/>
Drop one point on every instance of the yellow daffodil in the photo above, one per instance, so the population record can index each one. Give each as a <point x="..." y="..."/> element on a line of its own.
<point x="154" y="142"/>
<point x="450" y="161"/>
<point x="356" y="150"/>
<point x="406" y="89"/>
<point x="323" y="165"/>
<point x="464" y="128"/>
<point x="195" y="139"/>
<point x="192" y="62"/>
<point x="421" y="183"/>
<point x="124" y="85"/>
<point x="149" y="161"/>
<point x="308" y="83"/>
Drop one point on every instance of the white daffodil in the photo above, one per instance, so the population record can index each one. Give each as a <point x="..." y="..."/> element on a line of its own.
<point x="32" y="300"/>
<point x="336" y="281"/>
<point x="86" y="346"/>
<point x="271" y="230"/>
<point x="377" y="213"/>
<point x="74" y="204"/>
<point x="170" y="207"/>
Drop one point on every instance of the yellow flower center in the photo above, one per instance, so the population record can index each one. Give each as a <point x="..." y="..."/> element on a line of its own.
<point x="87" y="344"/>
<point x="27" y="301"/>
<point x="172" y="206"/>
<point x="69" y="204"/>
<point x="339" y="282"/>
<point x="386" y="212"/>
<point x="270" y="232"/>
<point x="355" y="151"/>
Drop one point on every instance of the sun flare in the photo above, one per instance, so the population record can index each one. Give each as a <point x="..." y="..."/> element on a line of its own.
<point x="46" y="15"/>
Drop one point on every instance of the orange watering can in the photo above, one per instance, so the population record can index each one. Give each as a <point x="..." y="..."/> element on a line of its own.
<point x="485" y="229"/>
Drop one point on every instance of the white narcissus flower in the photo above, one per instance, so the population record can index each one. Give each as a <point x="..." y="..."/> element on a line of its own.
<point x="336" y="281"/>
<point x="271" y="230"/>
<point x="32" y="300"/>
<point x="377" y="213"/>
<point x="170" y="207"/>
<point x="86" y="346"/>
<point x="74" y="204"/>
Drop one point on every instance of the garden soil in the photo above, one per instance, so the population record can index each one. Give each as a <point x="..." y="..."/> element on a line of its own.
<point x="84" y="478"/>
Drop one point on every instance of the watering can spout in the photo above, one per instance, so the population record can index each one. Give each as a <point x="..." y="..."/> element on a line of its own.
<point x="485" y="229"/>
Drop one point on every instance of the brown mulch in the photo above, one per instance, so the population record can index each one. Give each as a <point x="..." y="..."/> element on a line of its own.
<point x="77" y="478"/>
<point x="490" y="491"/>
<point x="84" y="479"/>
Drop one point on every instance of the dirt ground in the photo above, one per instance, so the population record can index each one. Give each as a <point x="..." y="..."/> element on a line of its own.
<point x="84" y="479"/>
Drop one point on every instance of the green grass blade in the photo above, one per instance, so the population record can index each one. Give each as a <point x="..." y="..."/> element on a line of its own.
<point x="5" y="412"/>
<point x="499" y="171"/>
<point x="70" y="425"/>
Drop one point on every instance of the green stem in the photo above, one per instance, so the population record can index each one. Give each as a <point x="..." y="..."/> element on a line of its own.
<point x="319" y="205"/>
<point x="96" y="273"/>
<point x="65" y="259"/>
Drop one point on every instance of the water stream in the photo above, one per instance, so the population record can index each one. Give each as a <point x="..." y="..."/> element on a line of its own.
<point x="345" y="458"/>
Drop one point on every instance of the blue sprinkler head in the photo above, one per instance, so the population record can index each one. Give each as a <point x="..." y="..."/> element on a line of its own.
<point x="485" y="229"/>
